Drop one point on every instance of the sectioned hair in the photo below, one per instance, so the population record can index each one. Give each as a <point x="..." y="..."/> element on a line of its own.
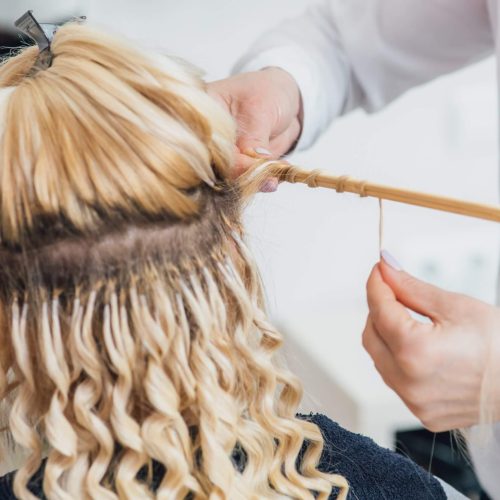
<point x="136" y="356"/>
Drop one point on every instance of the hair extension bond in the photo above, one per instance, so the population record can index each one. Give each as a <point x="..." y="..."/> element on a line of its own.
<point x="136" y="358"/>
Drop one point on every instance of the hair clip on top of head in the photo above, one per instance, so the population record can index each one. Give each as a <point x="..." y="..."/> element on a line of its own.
<point x="42" y="34"/>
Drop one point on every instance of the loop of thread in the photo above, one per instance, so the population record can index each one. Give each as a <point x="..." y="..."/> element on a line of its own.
<point x="291" y="175"/>
<point x="260" y="166"/>
<point x="312" y="179"/>
<point x="341" y="182"/>
<point x="380" y="225"/>
<point x="362" y="189"/>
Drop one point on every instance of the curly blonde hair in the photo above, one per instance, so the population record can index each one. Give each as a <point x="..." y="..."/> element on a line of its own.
<point x="136" y="358"/>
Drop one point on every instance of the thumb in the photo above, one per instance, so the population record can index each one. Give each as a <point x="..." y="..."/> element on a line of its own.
<point x="417" y="295"/>
<point x="254" y="137"/>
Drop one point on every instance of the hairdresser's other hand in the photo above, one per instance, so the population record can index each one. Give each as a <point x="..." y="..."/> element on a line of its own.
<point x="437" y="368"/>
<point x="266" y="105"/>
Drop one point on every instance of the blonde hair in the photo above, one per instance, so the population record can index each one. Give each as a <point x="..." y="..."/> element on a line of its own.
<point x="134" y="338"/>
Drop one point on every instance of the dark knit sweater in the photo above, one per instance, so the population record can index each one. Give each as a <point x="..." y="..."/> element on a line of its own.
<point x="373" y="473"/>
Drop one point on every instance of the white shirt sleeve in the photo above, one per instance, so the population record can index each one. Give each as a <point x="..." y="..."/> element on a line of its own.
<point x="484" y="448"/>
<point x="346" y="54"/>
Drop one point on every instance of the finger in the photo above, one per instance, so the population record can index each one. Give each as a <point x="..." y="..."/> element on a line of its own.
<point x="381" y="354"/>
<point x="270" y="185"/>
<point x="417" y="295"/>
<point x="254" y="135"/>
<point x="242" y="164"/>
<point x="390" y="318"/>
<point x="281" y="144"/>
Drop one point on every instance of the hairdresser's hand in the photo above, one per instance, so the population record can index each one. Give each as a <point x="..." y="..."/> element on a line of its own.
<point x="436" y="368"/>
<point x="267" y="108"/>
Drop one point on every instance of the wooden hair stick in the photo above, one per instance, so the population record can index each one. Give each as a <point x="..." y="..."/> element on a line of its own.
<point x="317" y="178"/>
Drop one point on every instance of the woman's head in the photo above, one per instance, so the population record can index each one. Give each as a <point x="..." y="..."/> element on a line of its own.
<point x="132" y="326"/>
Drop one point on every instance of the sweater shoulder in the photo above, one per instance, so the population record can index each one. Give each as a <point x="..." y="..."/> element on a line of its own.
<point x="372" y="472"/>
<point x="6" y="487"/>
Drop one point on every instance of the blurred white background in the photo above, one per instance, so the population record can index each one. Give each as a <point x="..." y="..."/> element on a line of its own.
<point x="316" y="248"/>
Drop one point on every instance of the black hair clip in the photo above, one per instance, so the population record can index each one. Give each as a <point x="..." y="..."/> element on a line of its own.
<point x="42" y="34"/>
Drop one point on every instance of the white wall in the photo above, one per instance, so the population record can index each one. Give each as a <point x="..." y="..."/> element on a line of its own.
<point x="315" y="247"/>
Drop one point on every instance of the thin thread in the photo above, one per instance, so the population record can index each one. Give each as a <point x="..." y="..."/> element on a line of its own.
<point x="429" y="469"/>
<point x="380" y="225"/>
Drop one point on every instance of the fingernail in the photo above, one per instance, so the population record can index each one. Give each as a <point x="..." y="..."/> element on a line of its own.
<point x="269" y="186"/>
<point x="390" y="260"/>
<point x="263" y="151"/>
